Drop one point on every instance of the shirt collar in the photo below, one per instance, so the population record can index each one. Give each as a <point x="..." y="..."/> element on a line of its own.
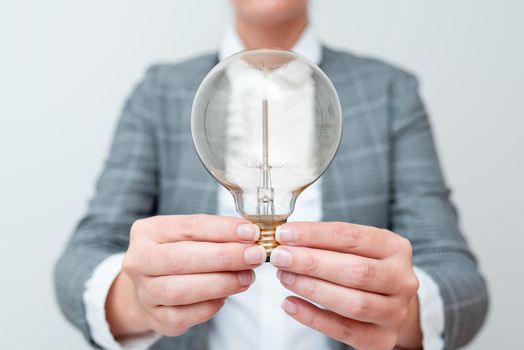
<point x="308" y="45"/>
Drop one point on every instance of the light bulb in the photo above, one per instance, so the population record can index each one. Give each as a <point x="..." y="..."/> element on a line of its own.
<point x="266" y="124"/>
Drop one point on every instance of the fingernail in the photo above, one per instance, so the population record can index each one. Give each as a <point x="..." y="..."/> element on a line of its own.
<point x="255" y="255"/>
<point x="286" y="277"/>
<point x="248" y="232"/>
<point x="281" y="257"/>
<point x="289" y="306"/>
<point x="246" y="277"/>
<point x="286" y="234"/>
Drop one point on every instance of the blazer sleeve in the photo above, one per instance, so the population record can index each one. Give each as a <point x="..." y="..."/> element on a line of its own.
<point x="126" y="191"/>
<point x="421" y="211"/>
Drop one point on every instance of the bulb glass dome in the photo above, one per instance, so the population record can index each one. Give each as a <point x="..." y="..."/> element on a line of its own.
<point x="266" y="124"/>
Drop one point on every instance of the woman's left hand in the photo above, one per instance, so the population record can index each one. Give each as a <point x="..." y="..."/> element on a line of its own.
<point x="362" y="276"/>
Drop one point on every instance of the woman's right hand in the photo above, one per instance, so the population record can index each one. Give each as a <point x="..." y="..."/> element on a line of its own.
<point x="179" y="270"/>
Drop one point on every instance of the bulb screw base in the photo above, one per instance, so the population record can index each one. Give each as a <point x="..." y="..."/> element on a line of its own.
<point x="267" y="235"/>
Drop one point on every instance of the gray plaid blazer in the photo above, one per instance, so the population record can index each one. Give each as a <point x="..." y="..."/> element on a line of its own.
<point x="386" y="174"/>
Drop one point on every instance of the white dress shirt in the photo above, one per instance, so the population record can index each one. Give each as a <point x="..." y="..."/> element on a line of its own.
<point x="257" y="311"/>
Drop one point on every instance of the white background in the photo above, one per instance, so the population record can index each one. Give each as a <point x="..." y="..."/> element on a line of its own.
<point x="66" y="67"/>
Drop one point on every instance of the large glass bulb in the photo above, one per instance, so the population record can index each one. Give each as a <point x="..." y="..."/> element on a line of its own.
<point x="266" y="124"/>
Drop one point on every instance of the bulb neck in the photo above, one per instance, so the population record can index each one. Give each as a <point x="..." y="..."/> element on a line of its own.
<point x="267" y="234"/>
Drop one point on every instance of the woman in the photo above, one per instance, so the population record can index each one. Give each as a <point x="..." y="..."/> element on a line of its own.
<point x="376" y="257"/>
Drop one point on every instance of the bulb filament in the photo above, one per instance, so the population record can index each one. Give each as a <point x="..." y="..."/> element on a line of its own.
<point x="265" y="205"/>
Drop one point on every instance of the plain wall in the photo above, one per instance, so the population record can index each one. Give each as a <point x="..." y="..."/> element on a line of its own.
<point x="66" y="67"/>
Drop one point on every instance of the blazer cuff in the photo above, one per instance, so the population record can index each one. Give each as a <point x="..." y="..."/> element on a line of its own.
<point x="431" y="309"/>
<point x="94" y="297"/>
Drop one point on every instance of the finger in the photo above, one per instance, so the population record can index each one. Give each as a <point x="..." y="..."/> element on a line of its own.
<point x="190" y="289"/>
<point x="197" y="257"/>
<point x="345" y="269"/>
<point x="357" y="334"/>
<point x="198" y="227"/>
<point x="351" y="303"/>
<point x="173" y="321"/>
<point x="339" y="236"/>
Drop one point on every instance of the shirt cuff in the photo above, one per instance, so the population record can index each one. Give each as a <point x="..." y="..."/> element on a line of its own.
<point x="431" y="308"/>
<point x="94" y="297"/>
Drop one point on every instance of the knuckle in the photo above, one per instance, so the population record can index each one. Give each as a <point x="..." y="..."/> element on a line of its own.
<point x="391" y="277"/>
<point x="213" y="309"/>
<point x="307" y="287"/>
<point x="173" y="332"/>
<point x="312" y="320"/>
<point x="137" y="227"/>
<point x="402" y="313"/>
<point x="310" y="264"/>
<point x="361" y="274"/>
<point x="387" y="234"/>
<point x="208" y="311"/>
<point x="346" y="236"/>
<point x="159" y="315"/>
<point x="185" y="227"/>
<point x="171" y="291"/>
<point x="343" y="333"/>
<point x="412" y="284"/>
<point x="223" y="287"/>
<point x="360" y="307"/>
<point x="140" y="294"/>
<point x="129" y="265"/>
<point x="405" y="246"/>
<point x="138" y="224"/>
<point x="224" y="256"/>
<point x="171" y="257"/>
<point x="173" y="320"/>
<point x="388" y="341"/>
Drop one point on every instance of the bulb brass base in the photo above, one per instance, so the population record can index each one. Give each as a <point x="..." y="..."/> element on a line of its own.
<point x="267" y="235"/>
